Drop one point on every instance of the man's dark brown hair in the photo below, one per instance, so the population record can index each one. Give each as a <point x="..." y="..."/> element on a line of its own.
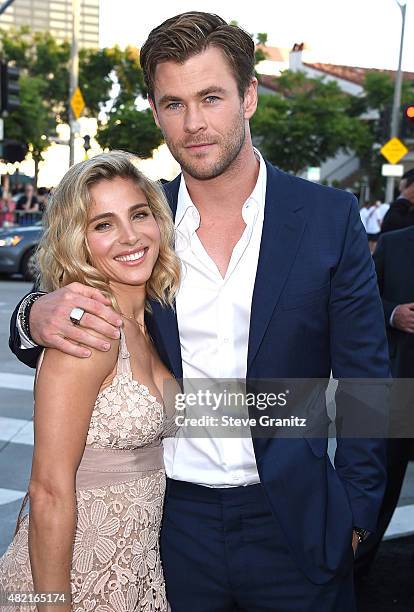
<point x="408" y="177"/>
<point x="188" y="34"/>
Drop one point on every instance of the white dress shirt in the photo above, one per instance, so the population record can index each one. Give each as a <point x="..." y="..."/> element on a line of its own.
<point x="373" y="217"/>
<point x="213" y="320"/>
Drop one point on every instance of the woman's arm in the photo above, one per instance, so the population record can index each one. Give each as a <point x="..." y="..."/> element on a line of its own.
<point x="66" y="391"/>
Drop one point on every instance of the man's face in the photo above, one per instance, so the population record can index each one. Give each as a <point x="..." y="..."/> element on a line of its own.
<point x="198" y="108"/>
<point x="408" y="192"/>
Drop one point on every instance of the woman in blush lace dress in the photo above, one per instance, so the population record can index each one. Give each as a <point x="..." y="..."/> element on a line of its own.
<point x="97" y="483"/>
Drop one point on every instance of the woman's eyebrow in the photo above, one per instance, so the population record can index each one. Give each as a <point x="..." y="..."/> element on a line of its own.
<point x="111" y="214"/>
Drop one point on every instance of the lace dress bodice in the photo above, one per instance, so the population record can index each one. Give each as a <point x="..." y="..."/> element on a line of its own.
<point x="125" y="414"/>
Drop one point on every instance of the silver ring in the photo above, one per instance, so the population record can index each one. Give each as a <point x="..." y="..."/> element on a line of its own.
<point x="76" y="315"/>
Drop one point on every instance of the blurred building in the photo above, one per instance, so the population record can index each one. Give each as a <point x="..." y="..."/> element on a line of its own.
<point x="55" y="16"/>
<point x="276" y="60"/>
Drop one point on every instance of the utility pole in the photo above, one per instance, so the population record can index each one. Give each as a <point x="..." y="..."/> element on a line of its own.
<point x="73" y="76"/>
<point x="396" y="106"/>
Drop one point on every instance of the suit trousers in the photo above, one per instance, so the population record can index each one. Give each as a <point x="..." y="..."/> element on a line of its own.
<point x="223" y="551"/>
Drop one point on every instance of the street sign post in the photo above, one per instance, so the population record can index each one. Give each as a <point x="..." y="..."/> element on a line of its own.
<point x="394" y="150"/>
<point x="392" y="170"/>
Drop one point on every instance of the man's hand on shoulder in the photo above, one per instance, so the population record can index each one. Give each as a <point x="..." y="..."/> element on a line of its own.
<point x="403" y="318"/>
<point x="50" y="323"/>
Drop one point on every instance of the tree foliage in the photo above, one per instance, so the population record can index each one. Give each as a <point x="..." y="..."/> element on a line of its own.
<point x="95" y="77"/>
<point x="125" y="127"/>
<point x="310" y="120"/>
<point x="40" y="56"/>
<point x="305" y="123"/>
<point x="109" y="79"/>
<point x="130" y="130"/>
<point x="378" y="96"/>
<point x="374" y="107"/>
<point x="32" y="121"/>
<point x="129" y="76"/>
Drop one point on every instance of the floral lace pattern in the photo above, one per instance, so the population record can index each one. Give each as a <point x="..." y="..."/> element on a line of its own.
<point x="116" y="563"/>
<point x="125" y="415"/>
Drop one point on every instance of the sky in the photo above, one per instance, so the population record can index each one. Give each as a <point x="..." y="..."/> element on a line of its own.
<point x="362" y="33"/>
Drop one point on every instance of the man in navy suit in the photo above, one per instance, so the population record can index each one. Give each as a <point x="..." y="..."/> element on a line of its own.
<point x="393" y="260"/>
<point x="277" y="283"/>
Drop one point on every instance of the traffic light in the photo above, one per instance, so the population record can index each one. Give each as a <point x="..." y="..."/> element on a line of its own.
<point x="384" y="123"/>
<point x="407" y="127"/>
<point x="409" y="113"/>
<point x="12" y="151"/>
<point x="9" y="87"/>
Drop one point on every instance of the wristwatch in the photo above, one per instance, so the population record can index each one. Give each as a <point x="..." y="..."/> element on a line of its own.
<point x="361" y="534"/>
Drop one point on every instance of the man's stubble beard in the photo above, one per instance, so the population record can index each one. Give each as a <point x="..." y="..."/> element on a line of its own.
<point x="230" y="147"/>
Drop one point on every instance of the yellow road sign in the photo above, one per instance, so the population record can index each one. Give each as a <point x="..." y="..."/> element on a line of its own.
<point x="394" y="150"/>
<point x="77" y="103"/>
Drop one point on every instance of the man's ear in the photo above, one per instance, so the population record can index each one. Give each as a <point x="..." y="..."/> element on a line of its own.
<point x="250" y="99"/>
<point x="154" y="111"/>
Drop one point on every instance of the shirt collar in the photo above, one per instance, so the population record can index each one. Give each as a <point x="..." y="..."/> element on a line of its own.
<point x="185" y="205"/>
<point x="256" y="198"/>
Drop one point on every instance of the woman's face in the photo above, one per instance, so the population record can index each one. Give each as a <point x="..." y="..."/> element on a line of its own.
<point x="123" y="235"/>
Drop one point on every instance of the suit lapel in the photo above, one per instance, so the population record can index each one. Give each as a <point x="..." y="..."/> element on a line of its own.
<point x="283" y="227"/>
<point x="163" y="328"/>
<point x="162" y="324"/>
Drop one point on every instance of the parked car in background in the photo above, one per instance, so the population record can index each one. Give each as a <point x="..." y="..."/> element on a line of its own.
<point x="17" y="250"/>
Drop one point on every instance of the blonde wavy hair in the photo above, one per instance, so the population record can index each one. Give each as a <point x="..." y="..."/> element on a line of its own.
<point x="63" y="255"/>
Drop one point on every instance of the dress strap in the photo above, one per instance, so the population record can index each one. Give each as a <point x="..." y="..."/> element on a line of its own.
<point x="124" y="364"/>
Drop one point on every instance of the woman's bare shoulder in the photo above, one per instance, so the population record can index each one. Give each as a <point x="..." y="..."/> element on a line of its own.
<point x="99" y="365"/>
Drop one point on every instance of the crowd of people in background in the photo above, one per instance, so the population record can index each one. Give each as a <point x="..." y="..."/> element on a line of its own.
<point x="22" y="204"/>
<point x="379" y="218"/>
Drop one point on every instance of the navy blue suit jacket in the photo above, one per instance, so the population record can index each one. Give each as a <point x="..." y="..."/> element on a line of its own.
<point x="315" y="308"/>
